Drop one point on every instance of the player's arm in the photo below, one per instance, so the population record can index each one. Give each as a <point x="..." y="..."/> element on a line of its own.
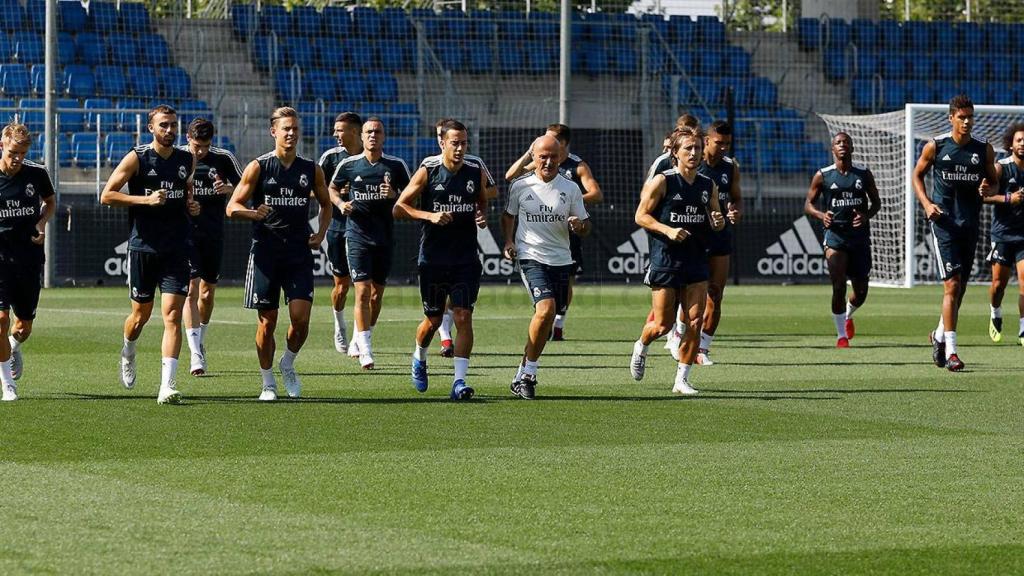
<point x="652" y="193"/>
<point x="226" y="184"/>
<point x="810" y="204"/>
<point x="508" y="222"/>
<point x="521" y="166"/>
<point x="190" y="204"/>
<point x="591" y="189"/>
<point x="337" y="189"/>
<point x="405" y="208"/>
<point x="872" y="190"/>
<point x="48" y="199"/>
<point x="324" y="200"/>
<point x="990" y="183"/>
<point x="484" y="199"/>
<point x="715" y="210"/>
<point x="579" y="220"/>
<point x="932" y="211"/>
<point x="112" y="195"/>
<point x="735" y="207"/>
<point x="238" y="205"/>
<point x="1008" y="196"/>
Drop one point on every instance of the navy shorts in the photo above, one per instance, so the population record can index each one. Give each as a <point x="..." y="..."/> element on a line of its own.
<point x="371" y="263"/>
<point x="1006" y="253"/>
<point x="677" y="278"/>
<point x="271" y="270"/>
<point x="19" y="289"/>
<point x="205" y="258"/>
<point x="954" y="249"/>
<point x="858" y="256"/>
<point x="439" y="283"/>
<point x="576" y="249"/>
<point x="544" y="281"/>
<point x="720" y="243"/>
<point x="148" y="270"/>
<point x="336" y="253"/>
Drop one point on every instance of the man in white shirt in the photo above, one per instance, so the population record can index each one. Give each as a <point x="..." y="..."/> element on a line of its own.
<point x="548" y="206"/>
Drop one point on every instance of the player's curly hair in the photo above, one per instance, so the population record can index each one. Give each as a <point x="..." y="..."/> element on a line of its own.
<point x="1010" y="133"/>
<point x="16" y="133"/>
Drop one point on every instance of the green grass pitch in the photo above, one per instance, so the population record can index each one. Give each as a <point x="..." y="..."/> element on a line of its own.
<point x="796" y="458"/>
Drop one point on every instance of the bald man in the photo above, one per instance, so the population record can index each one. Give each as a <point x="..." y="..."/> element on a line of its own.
<point x="549" y="207"/>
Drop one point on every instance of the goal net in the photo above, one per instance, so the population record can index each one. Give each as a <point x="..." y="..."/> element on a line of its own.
<point x="900" y="249"/>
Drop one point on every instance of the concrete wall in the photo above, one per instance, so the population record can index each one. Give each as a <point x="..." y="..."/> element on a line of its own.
<point x="846" y="9"/>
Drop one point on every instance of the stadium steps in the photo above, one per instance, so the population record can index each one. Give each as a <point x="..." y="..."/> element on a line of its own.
<point x="223" y="75"/>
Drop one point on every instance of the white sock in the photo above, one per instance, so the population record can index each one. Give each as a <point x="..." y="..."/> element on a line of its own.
<point x="364" y="341"/>
<point x="850" y="309"/>
<point x="997" y="311"/>
<point x="682" y="372"/>
<point x="339" y="320"/>
<point x="194" y="338"/>
<point x="640" y="347"/>
<point x="6" y="376"/>
<point x="288" y="358"/>
<point x="950" y="339"/>
<point x="680" y="327"/>
<point x="705" y="340"/>
<point x="202" y="332"/>
<point x="445" y="331"/>
<point x="129" y="347"/>
<point x="940" y="331"/>
<point x="531" y="367"/>
<point x="1021" y="329"/>
<point x="355" y="329"/>
<point x="268" y="378"/>
<point x="15" y="345"/>
<point x="168" y="368"/>
<point x="840" y="320"/>
<point x="420" y="353"/>
<point x="461" y="368"/>
<point x="559" y="320"/>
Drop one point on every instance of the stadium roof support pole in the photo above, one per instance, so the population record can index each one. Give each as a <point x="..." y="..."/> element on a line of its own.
<point x="565" y="63"/>
<point x="50" y="129"/>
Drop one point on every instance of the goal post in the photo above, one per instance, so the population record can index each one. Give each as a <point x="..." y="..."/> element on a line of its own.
<point x="889" y="144"/>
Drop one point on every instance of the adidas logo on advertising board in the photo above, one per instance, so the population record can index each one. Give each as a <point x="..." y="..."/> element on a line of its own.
<point x="490" y="255"/>
<point x="635" y="253"/>
<point x="798" y="252"/>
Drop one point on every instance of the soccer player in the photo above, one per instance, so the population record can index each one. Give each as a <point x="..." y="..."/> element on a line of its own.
<point x="347" y="128"/>
<point x="549" y="207"/>
<point x="450" y="191"/>
<point x="850" y="201"/>
<point x="575" y="169"/>
<point x="964" y="174"/>
<point x="490" y="192"/>
<point x="1007" y="232"/>
<point x="159" y="202"/>
<point x="279" y="185"/>
<point x="678" y="208"/>
<point x="666" y="160"/>
<point x="27" y="203"/>
<point x="217" y="173"/>
<point x="374" y="180"/>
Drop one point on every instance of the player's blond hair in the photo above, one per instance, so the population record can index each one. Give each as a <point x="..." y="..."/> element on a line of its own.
<point x="283" y="112"/>
<point x="683" y="132"/>
<point x="16" y="133"/>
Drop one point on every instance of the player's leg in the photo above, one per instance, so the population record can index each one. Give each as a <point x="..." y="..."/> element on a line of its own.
<point x="718" y="274"/>
<point x="954" y="289"/>
<point x="576" y="250"/>
<point x="342" y="283"/>
<point x="19" y="333"/>
<point x="1000" y="278"/>
<point x="445" y="332"/>
<point x="659" y="322"/>
<point x="23" y="299"/>
<point x="548" y="286"/>
<point x="837" y="269"/>
<point x="463" y="297"/>
<point x="694" y="297"/>
<point x="143" y="276"/>
<point x="296" y="274"/>
<point x="207" y="294"/>
<point x="433" y="294"/>
<point x="10" y="389"/>
<point x="265" y="348"/>
<point x="192" y="320"/>
<point x="171" y="304"/>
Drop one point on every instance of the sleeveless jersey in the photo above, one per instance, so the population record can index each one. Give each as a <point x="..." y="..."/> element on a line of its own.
<point x="167" y="228"/>
<point x="1008" y="219"/>
<point x="20" y="210"/>
<point x="721" y="174"/>
<point x="329" y="162"/>
<point x="370" y="222"/>
<point x="458" y="193"/>
<point x="218" y="164"/>
<point x="287" y="192"/>
<point x="686" y="206"/>
<point x="661" y="164"/>
<point x="843" y="195"/>
<point x="957" y="172"/>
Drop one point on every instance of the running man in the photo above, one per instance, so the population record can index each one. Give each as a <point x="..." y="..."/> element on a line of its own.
<point x="279" y="185"/>
<point x="964" y="174"/>
<point x="159" y="202"/>
<point x="1007" y="254"/>
<point x="347" y="127"/>
<point x="850" y="201"/>
<point x="549" y="207"/>
<point x="679" y="209"/>
<point x="27" y="203"/>
<point x="666" y="160"/>
<point x="450" y="191"/>
<point x="575" y="169"/>
<point x="217" y="173"/>
<point x="374" y="180"/>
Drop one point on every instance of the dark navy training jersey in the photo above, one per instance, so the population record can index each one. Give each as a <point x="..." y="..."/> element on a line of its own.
<point x="843" y="195"/>
<point x="686" y="206"/>
<point x="20" y="210"/>
<point x="660" y="165"/>
<point x="458" y="193"/>
<point x="569" y="169"/>
<point x="371" y="222"/>
<point x="1008" y="219"/>
<point x="329" y="162"/>
<point x="167" y="228"/>
<point x="722" y="175"/>
<point x="287" y="191"/>
<point x="479" y="162"/>
<point x="956" y="175"/>
<point x="218" y="164"/>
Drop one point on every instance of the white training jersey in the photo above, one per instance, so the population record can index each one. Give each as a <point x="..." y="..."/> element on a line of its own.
<point x="543" y="209"/>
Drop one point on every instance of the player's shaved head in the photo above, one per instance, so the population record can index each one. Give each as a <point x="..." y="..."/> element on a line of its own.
<point x="547" y="154"/>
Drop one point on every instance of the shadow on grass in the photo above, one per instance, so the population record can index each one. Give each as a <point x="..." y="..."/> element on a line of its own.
<point x="852" y="391"/>
<point x="479" y="399"/>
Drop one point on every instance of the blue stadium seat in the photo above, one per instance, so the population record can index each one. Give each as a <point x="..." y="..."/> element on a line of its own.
<point x="134" y="18"/>
<point x="123" y="50"/>
<point x="224" y="142"/>
<point x="154" y="50"/>
<point x="808" y="33"/>
<point x="175" y="83"/>
<point x="33" y="113"/>
<point x="362" y="54"/>
<point x="838" y="33"/>
<point x="329" y="52"/>
<point x="403" y="148"/>
<point x="371" y="109"/>
<point x="84" y="146"/>
<point x="14" y="80"/>
<point x="919" y="91"/>
<point x="107" y="120"/>
<point x="915" y="65"/>
<point x="35" y="15"/>
<point x="406" y="118"/>
<point x="28" y="48"/>
<point x="91" y="48"/>
<point x="970" y="36"/>
<point x="103" y="16"/>
<point x="864" y="33"/>
<point x="321" y="85"/>
<point x="143" y="82"/>
<point x="399" y="55"/>
<point x="710" y="63"/>
<point x="313" y="117"/>
<point x="338" y="22"/>
<point x="289" y="85"/>
<point x="71" y="17"/>
<point x="397" y="25"/>
<point x="424" y="146"/>
<point x="71" y="117"/>
<point x="893" y="94"/>
<point x="624" y="57"/>
<point x="116" y="146"/>
<point x="920" y="35"/>
<point x="14" y="18"/>
<point x="299" y="51"/>
<point x="130" y="120"/>
<point x="867" y="64"/>
<point x="366" y="21"/>
<point x="835" y="64"/>
<point x="453" y="60"/>
<point x="65" y="48"/>
<point x="862" y="94"/>
<point x="6" y="48"/>
<point x="737" y="62"/>
<point x="711" y="31"/>
<point x="596" y="61"/>
<point x="244" y="20"/>
<point x="894" y="64"/>
<point x="63" y="149"/>
<point x="305" y="21"/>
<point x="890" y="35"/>
<point x="946" y="36"/>
<point x="38" y="74"/>
<point x="765" y="94"/>
<point x="352" y="86"/>
<point x="999" y="35"/>
<point x="275" y="19"/>
<point x="265" y="53"/>
<point x="482" y="25"/>
<point x="383" y="86"/>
